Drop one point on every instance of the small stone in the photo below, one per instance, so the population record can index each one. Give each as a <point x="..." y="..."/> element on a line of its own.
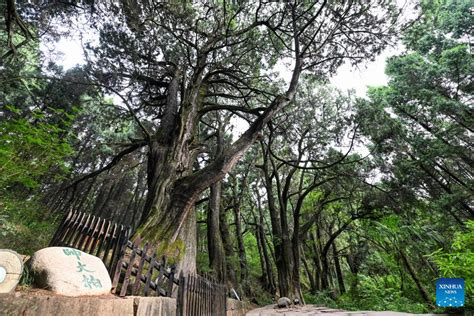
<point x="11" y="268"/>
<point x="70" y="272"/>
<point x="283" y="302"/>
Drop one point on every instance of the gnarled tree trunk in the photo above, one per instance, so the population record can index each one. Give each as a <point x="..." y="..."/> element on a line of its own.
<point x="168" y="217"/>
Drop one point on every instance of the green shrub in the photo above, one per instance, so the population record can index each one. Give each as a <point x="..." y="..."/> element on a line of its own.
<point x="381" y="293"/>
<point x="458" y="261"/>
<point x="319" y="298"/>
<point x="22" y="224"/>
<point x="32" y="147"/>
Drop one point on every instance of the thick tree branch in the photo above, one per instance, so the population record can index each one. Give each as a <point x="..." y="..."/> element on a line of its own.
<point x="114" y="162"/>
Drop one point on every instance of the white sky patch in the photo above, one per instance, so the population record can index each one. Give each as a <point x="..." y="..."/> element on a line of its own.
<point x="363" y="76"/>
<point x="239" y="126"/>
<point x="71" y="53"/>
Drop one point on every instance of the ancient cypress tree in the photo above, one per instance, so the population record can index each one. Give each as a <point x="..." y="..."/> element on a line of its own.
<point x="172" y="63"/>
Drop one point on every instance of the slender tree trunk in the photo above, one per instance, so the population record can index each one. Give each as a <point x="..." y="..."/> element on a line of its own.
<point x="89" y="204"/>
<point x="309" y="273"/>
<point x="66" y="202"/>
<point x="287" y="255"/>
<point x="240" y="242"/>
<point x="354" y="260"/>
<point x="131" y="207"/>
<point x="317" y="261"/>
<point x="281" y="242"/>
<point x="115" y="206"/>
<point x="263" y="277"/>
<point x="282" y="257"/>
<point x="268" y="265"/>
<point x="214" y="240"/>
<point x="268" y="280"/>
<point x="102" y="197"/>
<point x="90" y="185"/>
<point x="354" y="267"/>
<point x="337" y="265"/>
<point x="296" y="247"/>
<point x="124" y="217"/>
<point x="139" y="203"/>
<point x="228" y="249"/>
<point x="324" y="272"/>
<point x="424" y="294"/>
<point x="402" y="279"/>
<point x="326" y="275"/>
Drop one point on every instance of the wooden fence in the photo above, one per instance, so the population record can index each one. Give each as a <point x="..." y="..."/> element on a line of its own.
<point x="137" y="272"/>
<point x="198" y="296"/>
<point x="94" y="235"/>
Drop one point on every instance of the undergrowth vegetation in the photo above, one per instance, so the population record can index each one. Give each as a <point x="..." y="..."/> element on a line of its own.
<point x="23" y="225"/>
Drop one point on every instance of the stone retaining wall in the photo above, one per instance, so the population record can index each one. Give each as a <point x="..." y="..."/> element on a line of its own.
<point x="87" y="306"/>
<point x="43" y="305"/>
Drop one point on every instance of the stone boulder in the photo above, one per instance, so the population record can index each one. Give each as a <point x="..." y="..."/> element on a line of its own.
<point x="69" y="272"/>
<point x="284" y="302"/>
<point x="11" y="267"/>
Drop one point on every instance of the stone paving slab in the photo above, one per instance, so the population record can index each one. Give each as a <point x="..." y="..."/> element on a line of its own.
<point x="314" y="310"/>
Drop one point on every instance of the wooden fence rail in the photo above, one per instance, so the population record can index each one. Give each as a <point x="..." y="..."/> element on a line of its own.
<point x="94" y="235"/>
<point x="198" y="296"/>
<point x="137" y="272"/>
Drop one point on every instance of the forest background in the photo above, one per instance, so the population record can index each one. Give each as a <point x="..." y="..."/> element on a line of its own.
<point x="329" y="197"/>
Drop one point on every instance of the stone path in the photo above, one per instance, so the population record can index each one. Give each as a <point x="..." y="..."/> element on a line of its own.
<point x="310" y="310"/>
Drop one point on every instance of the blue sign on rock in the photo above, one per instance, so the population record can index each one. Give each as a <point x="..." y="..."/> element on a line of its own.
<point x="450" y="292"/>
